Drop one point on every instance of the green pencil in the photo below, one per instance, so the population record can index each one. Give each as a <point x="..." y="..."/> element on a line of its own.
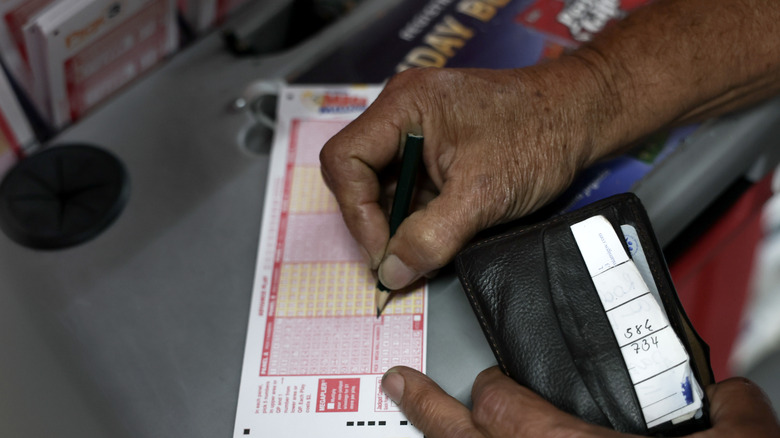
<point x="402" y="200"/>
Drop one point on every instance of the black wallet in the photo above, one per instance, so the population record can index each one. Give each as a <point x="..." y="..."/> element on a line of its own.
<point x="540" y="311"/>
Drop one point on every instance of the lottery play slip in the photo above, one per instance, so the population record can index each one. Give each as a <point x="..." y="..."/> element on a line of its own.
<point x="315" y="349"/>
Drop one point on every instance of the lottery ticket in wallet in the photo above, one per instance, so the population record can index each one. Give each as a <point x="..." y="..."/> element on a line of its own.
<point x="315" y="349"/>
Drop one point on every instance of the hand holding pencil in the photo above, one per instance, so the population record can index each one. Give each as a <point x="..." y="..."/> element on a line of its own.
<point x="487" y="166"/>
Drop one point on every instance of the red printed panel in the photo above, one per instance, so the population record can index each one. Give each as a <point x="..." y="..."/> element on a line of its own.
<point x="305" y="243"/>
<point x="342" y="345"/>
<point x="311" y="137"/>
<point x="338" y="395"/>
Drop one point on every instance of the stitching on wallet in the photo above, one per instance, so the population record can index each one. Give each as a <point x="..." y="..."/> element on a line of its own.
<point x="483" y="323"/>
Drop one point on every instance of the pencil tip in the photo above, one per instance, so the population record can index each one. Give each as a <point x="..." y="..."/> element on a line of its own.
<point x="380" y="299"/>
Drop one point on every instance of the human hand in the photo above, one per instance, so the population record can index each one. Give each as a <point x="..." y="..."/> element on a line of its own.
<point x="498" y="145"/>
<point x="503" y="408"/>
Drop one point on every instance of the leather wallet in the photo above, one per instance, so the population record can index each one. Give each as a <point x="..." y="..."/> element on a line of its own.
<point x="537" y="304"/>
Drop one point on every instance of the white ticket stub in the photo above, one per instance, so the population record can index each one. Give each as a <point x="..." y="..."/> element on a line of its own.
<point x="315" y="349"/>
<point x="655" y="358"/>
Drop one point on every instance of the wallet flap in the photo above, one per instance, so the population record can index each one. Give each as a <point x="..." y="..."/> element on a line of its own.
<point x="588" y="333"/>
<point x="512" y="284"/>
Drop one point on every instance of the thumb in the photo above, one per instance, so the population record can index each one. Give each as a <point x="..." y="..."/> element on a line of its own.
<point x="738" y="405"/>
<point x="428" y="239"/>
<point x="426" y="405"/>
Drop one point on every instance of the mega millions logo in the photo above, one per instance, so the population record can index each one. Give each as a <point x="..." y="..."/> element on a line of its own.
<point x="334" y="102"/>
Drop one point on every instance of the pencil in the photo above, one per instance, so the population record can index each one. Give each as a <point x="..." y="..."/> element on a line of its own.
<point x="402" y="200"/>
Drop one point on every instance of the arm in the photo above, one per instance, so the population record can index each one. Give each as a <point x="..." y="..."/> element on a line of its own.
<point x="500" y="144"/>
<point x="678" y="61"/>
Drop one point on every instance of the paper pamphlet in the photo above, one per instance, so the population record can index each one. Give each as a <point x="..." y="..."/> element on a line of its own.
<point x="16" y="135"/>
<point x="82" y="51"/>
<point x="656" y="359"/>
<point x="315" y="350"/>
<point x="14" y="14"/>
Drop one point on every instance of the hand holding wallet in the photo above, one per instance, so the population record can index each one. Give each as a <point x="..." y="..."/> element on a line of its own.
<point x="556" y="327"/>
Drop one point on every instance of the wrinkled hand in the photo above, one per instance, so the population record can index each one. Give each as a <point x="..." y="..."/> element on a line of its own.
<point x="498" y="145"/>
<point x="502" y="408"/>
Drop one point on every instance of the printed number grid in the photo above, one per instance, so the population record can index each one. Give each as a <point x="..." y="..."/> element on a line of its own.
<point x="325" y="289"/>
<point x="325" y="315"/>
<point x="335" y="289"/>
<point x="391" y="348"/>
<point x="309" y="194"/>
<point x="347" y="345"/>
<point x="326" y="323"/>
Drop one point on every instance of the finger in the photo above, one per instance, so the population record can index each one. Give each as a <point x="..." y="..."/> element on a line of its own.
<point x="427" y="406"/>
<point x="349" y="164"/>
<point x="352" y="159"/>
<point x="504" y="408"/>
<point x="740" y="408"/>
<point x="429" y="238"/>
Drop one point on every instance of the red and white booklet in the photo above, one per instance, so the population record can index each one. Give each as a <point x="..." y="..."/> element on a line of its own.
<point x="315" y="349"/>
<point x="14" y="14"/>
<point x="15" y="133"/>
<point x="82" y="51"/>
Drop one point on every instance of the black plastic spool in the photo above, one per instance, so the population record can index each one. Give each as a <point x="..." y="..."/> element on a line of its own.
<point x="62" y="196"/>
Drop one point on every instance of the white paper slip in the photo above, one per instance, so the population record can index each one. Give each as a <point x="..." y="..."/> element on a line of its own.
<point x="636" y="319"/>
<point x="656" y="360"/>
<point x="600" y="246"/>
<point x="621" y="286"/>
<point x="645" y="355"/>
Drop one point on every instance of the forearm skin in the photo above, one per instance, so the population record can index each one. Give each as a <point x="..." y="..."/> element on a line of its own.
<point x="679" y="61"/>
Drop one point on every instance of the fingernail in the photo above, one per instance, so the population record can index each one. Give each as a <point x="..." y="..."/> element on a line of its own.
<point x="394" y="274"/>
<point x="393" y="385"/>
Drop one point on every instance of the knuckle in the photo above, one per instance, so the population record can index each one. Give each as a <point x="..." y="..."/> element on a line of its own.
<point x="414" y="87"/>
<point x="749" y="387"/>
<point x="423" y="399"/>
<point x="331" y="157"/>
<point x="428" y="415"/>
<point x="410" y="77"/>
<point x="490" y="405"/>
<point x="325" y="156"/>
<point x="435" y="247"/>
